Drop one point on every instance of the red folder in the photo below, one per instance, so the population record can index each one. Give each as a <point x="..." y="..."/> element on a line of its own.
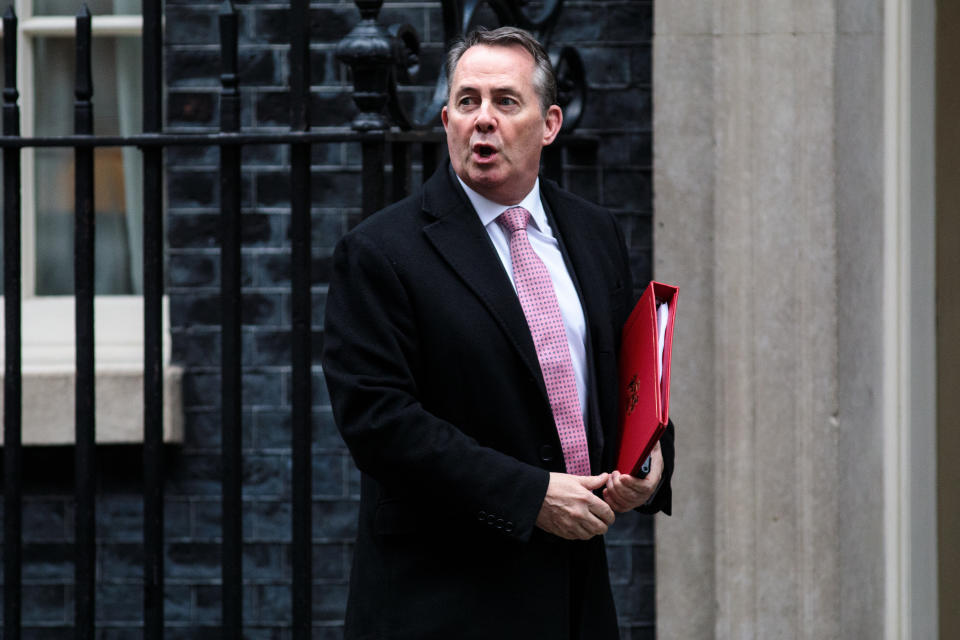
<point x="644" y="401"/>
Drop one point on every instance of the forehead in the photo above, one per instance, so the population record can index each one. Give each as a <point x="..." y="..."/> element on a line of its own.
<point x="504" y="65"/>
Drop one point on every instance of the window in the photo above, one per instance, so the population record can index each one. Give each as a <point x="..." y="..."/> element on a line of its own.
<point x="46" y="82"/>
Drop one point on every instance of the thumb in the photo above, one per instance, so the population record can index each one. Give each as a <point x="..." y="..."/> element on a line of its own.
<point x="592" y="482"/>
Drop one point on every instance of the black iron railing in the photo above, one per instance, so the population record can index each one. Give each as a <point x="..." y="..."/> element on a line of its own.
<point x="379" y="58"/>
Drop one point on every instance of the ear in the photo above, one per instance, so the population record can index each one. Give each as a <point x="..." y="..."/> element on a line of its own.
<point x="551" y="124"/>
<point x="444" y="117"/>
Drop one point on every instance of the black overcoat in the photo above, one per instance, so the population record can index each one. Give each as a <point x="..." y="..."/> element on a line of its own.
<point x="437" y="391"/>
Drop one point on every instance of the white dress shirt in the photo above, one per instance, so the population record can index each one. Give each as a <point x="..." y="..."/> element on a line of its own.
<point x="546" y="247"/>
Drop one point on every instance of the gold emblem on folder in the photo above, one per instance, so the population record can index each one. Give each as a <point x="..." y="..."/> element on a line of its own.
<point x="633" y="394"/>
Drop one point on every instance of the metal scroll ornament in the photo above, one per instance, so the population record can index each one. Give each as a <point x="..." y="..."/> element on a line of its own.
<point x="383" y="58"/>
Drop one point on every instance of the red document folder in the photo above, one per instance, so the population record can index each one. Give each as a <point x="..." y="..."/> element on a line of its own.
<point x="644" y="401"/>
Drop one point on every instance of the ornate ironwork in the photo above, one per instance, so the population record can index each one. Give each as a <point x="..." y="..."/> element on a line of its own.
<point x="383" y="58"/>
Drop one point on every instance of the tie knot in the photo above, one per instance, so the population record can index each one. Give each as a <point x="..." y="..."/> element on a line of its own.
<point x="514" y="219"/>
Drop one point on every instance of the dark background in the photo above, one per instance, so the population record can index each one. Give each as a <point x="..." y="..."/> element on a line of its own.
<point x="614" y="39"/>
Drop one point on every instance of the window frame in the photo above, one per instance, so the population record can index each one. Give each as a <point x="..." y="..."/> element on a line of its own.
<point x="48" y="336"/>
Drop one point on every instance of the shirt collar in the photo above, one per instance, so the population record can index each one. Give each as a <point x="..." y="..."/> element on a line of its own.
<point x="488" y="210"/>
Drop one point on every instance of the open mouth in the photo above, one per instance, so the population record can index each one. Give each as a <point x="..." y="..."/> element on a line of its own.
<point x="484" y="150"/>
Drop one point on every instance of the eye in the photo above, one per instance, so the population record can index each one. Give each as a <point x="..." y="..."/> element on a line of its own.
<point x="506" y="101"/>
<point x="466" y="101"/>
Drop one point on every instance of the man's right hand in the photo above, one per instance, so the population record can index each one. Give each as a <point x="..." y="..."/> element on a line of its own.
<point x="571" y="511"/>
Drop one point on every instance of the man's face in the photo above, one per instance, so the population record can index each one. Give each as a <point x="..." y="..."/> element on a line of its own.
<point x="495" y="128"/>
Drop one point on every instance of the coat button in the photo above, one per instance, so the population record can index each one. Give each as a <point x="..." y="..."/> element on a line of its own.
<point x="546" y="453"/>
<point x="482" y="515"/>
<point x="499" y="524"/>
<point x="508" y="527"/>
<point x="491" y="519"/>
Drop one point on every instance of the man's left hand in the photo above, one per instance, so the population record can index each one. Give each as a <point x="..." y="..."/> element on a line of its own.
<point x="624" y="492"/>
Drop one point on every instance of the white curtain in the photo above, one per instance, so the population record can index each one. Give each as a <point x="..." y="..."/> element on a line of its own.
<point x="129" y="106"/>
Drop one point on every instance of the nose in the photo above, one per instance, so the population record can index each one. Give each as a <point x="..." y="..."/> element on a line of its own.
<point x="485" y="122"/>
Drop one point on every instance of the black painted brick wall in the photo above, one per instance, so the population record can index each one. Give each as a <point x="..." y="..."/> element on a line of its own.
<point x="614" y="38"/>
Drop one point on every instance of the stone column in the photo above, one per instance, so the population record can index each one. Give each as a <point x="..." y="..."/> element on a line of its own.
<point x="767" y="171"/>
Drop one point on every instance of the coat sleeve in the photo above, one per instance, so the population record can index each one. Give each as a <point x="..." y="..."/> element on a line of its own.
<point x="370" y="358"/>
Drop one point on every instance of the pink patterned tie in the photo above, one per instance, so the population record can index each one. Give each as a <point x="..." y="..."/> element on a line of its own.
<point x="540" y="306"/>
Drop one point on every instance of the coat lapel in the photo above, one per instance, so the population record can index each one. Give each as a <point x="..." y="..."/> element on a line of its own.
<point x="457" y="234"/>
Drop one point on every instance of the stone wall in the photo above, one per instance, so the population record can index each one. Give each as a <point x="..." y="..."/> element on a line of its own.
<point x="769" y="205"/>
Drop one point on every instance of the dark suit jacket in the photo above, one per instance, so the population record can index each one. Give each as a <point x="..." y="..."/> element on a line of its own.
<point x="437" y="391"/>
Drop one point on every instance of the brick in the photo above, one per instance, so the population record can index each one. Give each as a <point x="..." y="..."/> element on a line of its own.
<point x="325" y="432"/>
<point x="190" y="25"/>
<point x="641" y="64"/>
<point x="176" y="520"/>
<point x="635" y="601"/>
<point x="44" y="520"/>
<point x="206" y="521"/>
<point x="642" y="558"/>
<point x="266" y="155"/>
<point x="629" y="108"/>
<point x="332" y="23"/>
<point x="44" y="603"/>
<point x="329" y="562"/>
<point x="263" y="562"/>
<point x="329" y="601"/>
<point x="192" y="230"/>
<point x="621" y="22"/>
<point x="627" y="189"/>
<point x="631" y="527"/>
<point x="118" y="603"/>
<point x="193" y="189"/>
<point x="120" y="518"/>
<point x="193" y="560"/>
<point x="334" y="520"/>
<point x="619" y="558"/>
<point x="272" y="348"/>
<point x="121" y="561"/>
<point x="276" y="606"/>
<point x="206" y="309"/>
<point x="193" y="270"/>
<point x="184" y="156"/>
<point x="177" y="603"/>
<point x="195" y="475"/>
<point x="328" y="475"/>
<point x="606" y="65"/>
<point x="193" y="67"/>
<point x="47" y="561"/>
<point x="270" y="520"/>
<point x="192" y="109"/>
<point x="630" y="149"/>
<point x="332" y="109"/>
<point x="265" y="475"/>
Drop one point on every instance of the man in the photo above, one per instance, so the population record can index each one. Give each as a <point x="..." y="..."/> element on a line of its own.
<point x="471" y="344"/>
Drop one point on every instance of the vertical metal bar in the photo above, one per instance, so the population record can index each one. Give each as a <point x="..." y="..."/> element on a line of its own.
<point x="429" y="152"/>
<point x="83" y="262"/>
<point x="153" y="463"/>
<point x="400" y="152"/>
<point x="230" y="363"/>
<point x="373" y="175"/>
<point x="300" y="338"/>
<point x="12" y="395"/>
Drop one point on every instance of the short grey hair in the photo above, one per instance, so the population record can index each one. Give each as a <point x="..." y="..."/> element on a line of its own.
<point x="544" y="78"/>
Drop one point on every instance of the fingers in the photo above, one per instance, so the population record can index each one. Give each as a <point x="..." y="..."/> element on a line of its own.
<point x="624" y="492"/>
<point x="592" y="482"/>
<point x="601" y="510"/>
<point x="571" y="510"/>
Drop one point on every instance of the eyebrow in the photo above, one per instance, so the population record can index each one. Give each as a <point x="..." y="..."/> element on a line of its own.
<point x="496" y="90"/>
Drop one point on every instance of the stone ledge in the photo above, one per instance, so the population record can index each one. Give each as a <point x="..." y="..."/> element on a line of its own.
<point x="48" y="406"/>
